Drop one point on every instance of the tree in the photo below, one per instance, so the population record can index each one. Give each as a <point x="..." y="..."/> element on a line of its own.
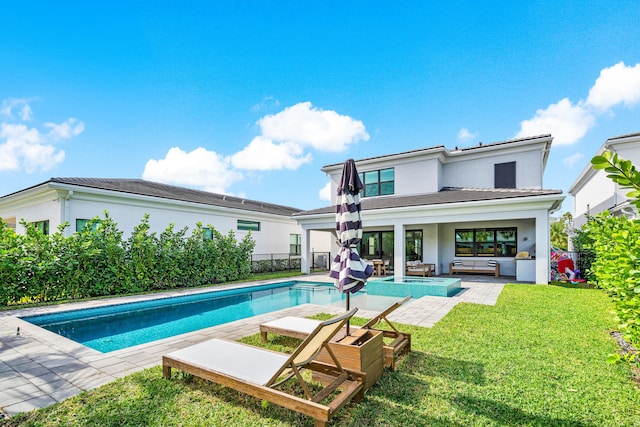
<point x="559" y="231"/>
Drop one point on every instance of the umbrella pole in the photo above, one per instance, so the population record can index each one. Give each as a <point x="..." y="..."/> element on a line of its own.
<point x="348" y="308"/>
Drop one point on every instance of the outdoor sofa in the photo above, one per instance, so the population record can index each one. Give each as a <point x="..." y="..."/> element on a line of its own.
<point x="476" y="266"/>
<point x="418" y="268"/>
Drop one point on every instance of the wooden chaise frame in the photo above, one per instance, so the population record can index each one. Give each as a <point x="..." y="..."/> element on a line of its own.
<point x="274" y="368"/>
<point x="401" y="340"/>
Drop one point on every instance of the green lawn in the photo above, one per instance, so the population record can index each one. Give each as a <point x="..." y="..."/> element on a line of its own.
<point x="535" y="359"/>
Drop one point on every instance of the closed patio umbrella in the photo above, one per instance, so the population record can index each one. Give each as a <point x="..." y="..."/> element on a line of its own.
<point x="348" y="269"/>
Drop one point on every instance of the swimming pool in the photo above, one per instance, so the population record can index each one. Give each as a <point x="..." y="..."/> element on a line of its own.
<point x="415" y="286"/>
<point x="115" y="327"/>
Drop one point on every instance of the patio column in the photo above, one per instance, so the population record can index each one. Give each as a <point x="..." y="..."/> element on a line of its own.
<point x="398" y="251"/>
<point x="305" y="255"/>
<point x="542" y="247"/>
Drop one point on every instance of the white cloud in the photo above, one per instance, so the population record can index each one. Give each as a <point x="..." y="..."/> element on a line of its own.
<point x="263" y="154"/>
<point x="65" y="130"/>
<point x="266" y="103"/>
<point x="325" y="192"/>
<point x="199" y="168"/>
<point x="567" y="123"/>
<point x="285" y="142"/>
<point x="571" y="160"/>
<point x="615" y="85"/>
<point x="25" y="147"/>
<point x="465" y="135"/>
<point x="303" y="124"/>
<point x="21" y="105"/>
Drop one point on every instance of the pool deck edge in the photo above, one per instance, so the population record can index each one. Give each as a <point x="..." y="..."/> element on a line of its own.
<point x="39" y="368"/>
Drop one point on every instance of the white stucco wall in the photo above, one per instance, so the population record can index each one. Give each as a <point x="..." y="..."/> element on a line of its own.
<point x="596" y="195"/>
<point x="413" y="175"/>
<point x="593" y="192"/>
<point x="273" y="236"/>
<point x="127" y="212"/>
<point x="44" y="207"/>
<point x="417" y="177"/>
<point x="478" y="171"/>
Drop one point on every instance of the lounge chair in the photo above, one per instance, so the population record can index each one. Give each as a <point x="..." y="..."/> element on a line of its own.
<point x="300" y="327"/>
<point x="257" y="371"/>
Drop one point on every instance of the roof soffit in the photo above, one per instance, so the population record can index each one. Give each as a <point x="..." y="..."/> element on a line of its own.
<point x="32" y="195"/>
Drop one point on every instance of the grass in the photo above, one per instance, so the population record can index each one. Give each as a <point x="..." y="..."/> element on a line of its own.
<point x="537" y="358"/>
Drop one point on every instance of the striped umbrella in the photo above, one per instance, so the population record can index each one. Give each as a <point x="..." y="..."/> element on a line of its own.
<point x="348" y="269"/>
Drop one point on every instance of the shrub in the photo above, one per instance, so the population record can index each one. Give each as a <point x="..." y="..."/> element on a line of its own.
<point x="616" y="268"/>
<point x="96" y="261"/>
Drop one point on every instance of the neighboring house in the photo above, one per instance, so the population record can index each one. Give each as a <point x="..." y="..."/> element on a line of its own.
<point x="594" y="193"/>
<point x="77" y="200"/>
<point x="436" y="205"/>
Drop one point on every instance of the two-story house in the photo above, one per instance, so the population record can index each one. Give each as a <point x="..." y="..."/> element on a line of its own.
<point x="77" y="200"/>
<point x="437" y="205"/>
<point x="594" y="193"/>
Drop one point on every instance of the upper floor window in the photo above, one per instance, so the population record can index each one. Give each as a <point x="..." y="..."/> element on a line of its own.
<point x="505" y="175"/>
<point x="248" y="225"/>
<point x="486" y="242"/>
<point x="43" y="226"/>
<point x="378" y="182"/>
<point x="295" y="244"/>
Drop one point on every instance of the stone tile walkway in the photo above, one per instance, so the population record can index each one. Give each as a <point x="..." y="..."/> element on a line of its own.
<point x="39" y="368"/>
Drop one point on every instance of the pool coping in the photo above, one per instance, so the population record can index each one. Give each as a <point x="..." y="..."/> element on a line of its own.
<point x="39" y="368"/>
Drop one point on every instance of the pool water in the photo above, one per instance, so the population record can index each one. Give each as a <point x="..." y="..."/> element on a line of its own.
<point x="415" y="286"/>
<point x="120" y="326"/>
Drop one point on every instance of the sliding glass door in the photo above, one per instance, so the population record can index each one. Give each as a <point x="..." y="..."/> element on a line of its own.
<point x="377" y="245"/>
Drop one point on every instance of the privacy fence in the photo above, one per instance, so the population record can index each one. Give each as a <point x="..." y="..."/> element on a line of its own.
<point x="261" y="263"/>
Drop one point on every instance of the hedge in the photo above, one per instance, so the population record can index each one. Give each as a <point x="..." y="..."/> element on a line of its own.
<point x="97" y="261"/>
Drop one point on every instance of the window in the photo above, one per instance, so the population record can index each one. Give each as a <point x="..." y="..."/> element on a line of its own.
<point x="248" y="225"/>
<point x="207" y="233"/>
<point x="377" y="244"/>
<point x="378" y="182"/>
<point x="413" y="245"/>
<point x="505" y="175"/>
<point x="9" y="222"/>
<point x="81" y="223"/>
<point x="43" y="226"/>
<point x="486" y="242"/>
<point x="295" y="244"/>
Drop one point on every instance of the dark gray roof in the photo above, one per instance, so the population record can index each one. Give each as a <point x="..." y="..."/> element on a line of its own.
<point x="445" y="195"/>
<point x="172" y="192"/>
<point x="442" y="148"/>
<point x="628" y="135"/>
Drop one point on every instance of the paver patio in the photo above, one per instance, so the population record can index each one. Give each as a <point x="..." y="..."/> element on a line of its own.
<point x="39" y="368"/>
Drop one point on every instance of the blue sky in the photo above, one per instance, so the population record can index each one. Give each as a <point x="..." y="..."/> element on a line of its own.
<point x="252" y="98"/>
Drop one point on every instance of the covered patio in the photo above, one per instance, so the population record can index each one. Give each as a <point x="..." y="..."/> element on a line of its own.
<point x="430" y="227"/>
